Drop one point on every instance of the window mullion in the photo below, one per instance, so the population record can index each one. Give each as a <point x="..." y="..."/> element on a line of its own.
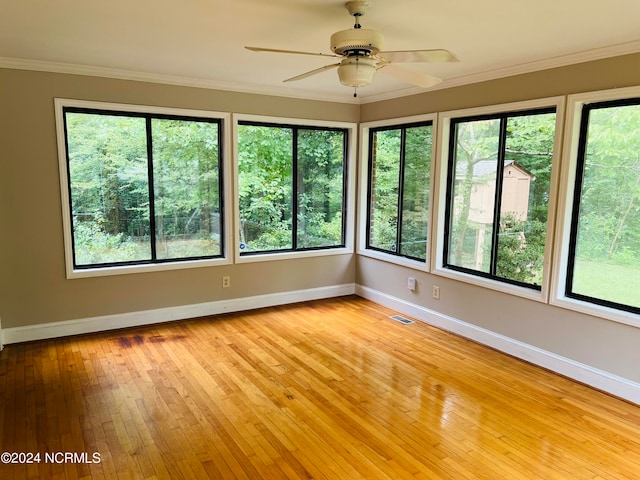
<point x="373" y="145"/>
<point x="450" y="186"/>
<point x="69" y="190"/>
<point x="152" y="209"/>
<point x="403" y="138"/>
<point x="294" y="191"/>
<point x="577" y="196"/>
<point x="498" y="196"/>
<point x="345" y="185"/>
<point x="222" y="204"/>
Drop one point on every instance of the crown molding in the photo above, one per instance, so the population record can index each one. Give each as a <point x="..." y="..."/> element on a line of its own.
<point x="519" y="69"/>
<point x="493" y="74"/>
<point x="120" y="74"/>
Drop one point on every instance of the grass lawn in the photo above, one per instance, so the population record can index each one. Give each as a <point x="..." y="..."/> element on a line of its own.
<point x="615" y="283"/>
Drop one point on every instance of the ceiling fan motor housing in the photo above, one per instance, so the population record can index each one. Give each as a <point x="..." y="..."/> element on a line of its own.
<point x="361" y="41"/>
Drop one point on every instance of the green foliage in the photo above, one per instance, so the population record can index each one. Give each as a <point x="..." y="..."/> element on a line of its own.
<point x="265" y="186"/>
<point x="320" y="187"/>
<point x="609" y="226"/>
<point x="529" y="142"/>
<point x="186" y="187"/>
<point x="415" y="192"/>
<point x="383" y="225"/>
<point x="108" y="169"/>
<point x="414" y="233"/>
<point x="265" y="178"/>
<point x="409" y="237"/>
<point x="608" y="236"/>
<point x="94" y="246"/>
<point x="476" y="141"/>
<point x="520" y="252"/>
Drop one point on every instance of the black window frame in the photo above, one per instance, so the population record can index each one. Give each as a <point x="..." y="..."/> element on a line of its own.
<point x="450" y="184"/>
<point x="587" y="108"/>
<point x="294" y="191"/>
<point x="401" y="180"/>
<point x="149" y="150"/>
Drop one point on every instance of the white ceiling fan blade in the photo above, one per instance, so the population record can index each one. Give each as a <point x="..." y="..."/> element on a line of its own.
<point x="275" y="50"/>
<point x="312" y="72"/>
<point x="416" y="78"/>
<point x="419" y="56"/>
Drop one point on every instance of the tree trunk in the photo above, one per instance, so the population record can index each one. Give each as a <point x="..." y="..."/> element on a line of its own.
<point x="623" y="220"/>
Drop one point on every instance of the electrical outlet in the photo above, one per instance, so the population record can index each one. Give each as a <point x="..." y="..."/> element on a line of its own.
<point x="226" y="281"/>
<point x="436" y="292"/>
<point x="411" y="283"/>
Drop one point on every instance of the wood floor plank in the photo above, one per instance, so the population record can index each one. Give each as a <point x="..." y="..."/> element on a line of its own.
<point x="328" y="389"/>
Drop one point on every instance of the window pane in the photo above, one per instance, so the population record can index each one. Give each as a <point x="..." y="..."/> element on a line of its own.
<point x="473" y="196"/>
<point x="525" y="197"/>
<point x="109" y="188"/>
<point x="607" y="254"/>
<point x="186" y="188"/>
<point x="385" y="179"/>
<point x="415" y="192"/>
<point x="320" y="188"/>
<point x="265" y="184"/>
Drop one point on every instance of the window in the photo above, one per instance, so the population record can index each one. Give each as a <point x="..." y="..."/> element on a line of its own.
<point x="497" y="196"/>
<point x="292" y="187"/>
<point x="142" y="188"/>
<point x="604" y="246"/>
<point x="399" y="188"/>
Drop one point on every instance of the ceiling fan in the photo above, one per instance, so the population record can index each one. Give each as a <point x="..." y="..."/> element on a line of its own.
<point x="362" y="55"/>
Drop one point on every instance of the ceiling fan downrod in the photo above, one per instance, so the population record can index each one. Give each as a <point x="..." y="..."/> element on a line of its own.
<point x="362" y="53"/>
<point x="357" y="8"/>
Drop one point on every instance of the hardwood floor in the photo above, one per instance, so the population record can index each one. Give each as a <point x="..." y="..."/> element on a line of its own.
<point x="330" y="389"/>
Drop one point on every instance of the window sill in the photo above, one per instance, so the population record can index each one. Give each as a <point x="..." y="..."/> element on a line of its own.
<point x="594" y="310"/>
<point x="156" y="267"/>
<point x="395" y="259"/>
<point x="275" y="256"/>
<point x="529" y="293"/>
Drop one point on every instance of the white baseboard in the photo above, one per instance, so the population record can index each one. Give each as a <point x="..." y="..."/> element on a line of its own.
<point x="135" y="319"/>
<point x="600" y="379"/>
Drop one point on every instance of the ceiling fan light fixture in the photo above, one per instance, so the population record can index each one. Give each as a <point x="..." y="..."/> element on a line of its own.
<point x="363" y="54"/>
<point x="356" y="71"/>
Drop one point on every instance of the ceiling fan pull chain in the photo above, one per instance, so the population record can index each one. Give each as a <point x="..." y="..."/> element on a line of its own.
<point x="362" y="54"/>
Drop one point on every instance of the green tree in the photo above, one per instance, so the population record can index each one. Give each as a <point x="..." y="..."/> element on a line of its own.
<point x="266" y="184"/>
<point x="186" y="187"/>
<point x="265" y="181"/>
<point x="385" y="178"/>
<point x="109" y="185"/>
<point x="529" y="142"/>
<point x="110" y="192"/>
<point x="476" y="141"/>
<point x="320" y="187"/>
<point x="609" y="228"/>
<point x="416" y="191"/>
<point x="400" y="188"/>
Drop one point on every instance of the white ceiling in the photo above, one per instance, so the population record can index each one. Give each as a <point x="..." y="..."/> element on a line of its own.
<point x="201" y="42"/>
